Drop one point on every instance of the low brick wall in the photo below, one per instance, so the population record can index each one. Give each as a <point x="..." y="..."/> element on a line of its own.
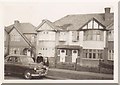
<point x="78" y="67"/>
<point x="66" y="65"/>
<point x="86" y="68"/>
<point x="51" y="62"/>
<point x="90" y="62"/>
<point x="87" y="65"/>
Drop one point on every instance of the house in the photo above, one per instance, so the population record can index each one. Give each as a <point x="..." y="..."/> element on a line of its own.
<point x="46" y="40"/>
<point x="84" y="38"/>
<point x="21" y="38"/>
<point x="81" y="39"/>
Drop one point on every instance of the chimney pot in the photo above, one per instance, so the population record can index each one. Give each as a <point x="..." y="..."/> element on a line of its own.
<point x="16" y="21"/>
<point x="107" y="10"/>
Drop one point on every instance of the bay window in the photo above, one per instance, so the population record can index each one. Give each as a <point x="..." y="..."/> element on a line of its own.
<point x="95" y="35"/>
<point x="93" y="54"/>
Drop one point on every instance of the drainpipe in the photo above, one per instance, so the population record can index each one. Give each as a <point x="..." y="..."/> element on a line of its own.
<point x="55" y="56"/>
<point x="8" y="44"/>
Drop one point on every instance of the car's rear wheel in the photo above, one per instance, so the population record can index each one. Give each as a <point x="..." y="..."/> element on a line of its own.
<point x="27" y="75"/>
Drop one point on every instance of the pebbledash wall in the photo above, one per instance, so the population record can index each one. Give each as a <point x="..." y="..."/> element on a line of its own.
<point x="76" y="40"/>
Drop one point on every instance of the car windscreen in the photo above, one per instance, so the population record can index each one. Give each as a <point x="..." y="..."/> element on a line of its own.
<point x="27" y="60"/>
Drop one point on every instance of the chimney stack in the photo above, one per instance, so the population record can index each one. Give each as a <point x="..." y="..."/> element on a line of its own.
<point x="16" y="22"/>
<point x="107" y="15"/>
<point x="107" y="10"/>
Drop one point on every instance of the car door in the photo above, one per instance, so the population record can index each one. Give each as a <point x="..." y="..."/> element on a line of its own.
<point x="9" y="64"/>
<point x="18" y="66"/>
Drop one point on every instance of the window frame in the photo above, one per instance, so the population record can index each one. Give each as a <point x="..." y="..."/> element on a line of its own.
<point x="111" y="55"/>
<point x="75" y="36"/>
<point x="97" y="52"/>
<point x="62" y="36"/>
<point x="92" y="35"/>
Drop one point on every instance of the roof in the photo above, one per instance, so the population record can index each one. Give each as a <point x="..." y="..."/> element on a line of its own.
<point x="75" y="22"/>
<point x="25" y="38"/>
<point x="110" y="27"/>
<point x="51" y="24"/>
<point x="23" y="27"/>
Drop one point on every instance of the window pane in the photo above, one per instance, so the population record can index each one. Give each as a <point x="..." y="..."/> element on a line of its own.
<point x="90" y="50"/>
<point x="94" y="50"/>
<point x="98" y="37"/>
<point x="89" y="37"/>
<point x="97" y="55"/>
<point x="94" y="55"/>
<point x="90" y="55"/>
<point x="86" y="55"/>
<point x="94" y="37"/>
<point x="101" y="56"/>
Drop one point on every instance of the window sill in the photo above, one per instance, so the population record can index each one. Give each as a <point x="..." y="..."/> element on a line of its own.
<point x="62" y="40"/>
<point x="94" y="40"/>
<point x="75" y="41"/>
<point x="110" y="60"/>
<point x="91" y="59"/>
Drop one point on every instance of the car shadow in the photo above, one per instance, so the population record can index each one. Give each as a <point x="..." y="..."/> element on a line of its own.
<point x="18" y="76"/>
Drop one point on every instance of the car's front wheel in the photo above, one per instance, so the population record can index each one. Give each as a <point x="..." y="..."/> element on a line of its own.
<point x="27" y="75"/>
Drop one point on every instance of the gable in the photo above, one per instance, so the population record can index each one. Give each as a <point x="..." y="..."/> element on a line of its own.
<point x="93" y="24"/>
<point x="5" y="35"/>
<point x="16" y="37"/>
<point x="45" y="26"/>
<point x="14" y="32"/>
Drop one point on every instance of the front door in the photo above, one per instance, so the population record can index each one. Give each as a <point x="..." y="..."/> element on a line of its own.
<point x="74" y="55"/>
<point x="28" y="53"/>
<point x="62" y="55"/>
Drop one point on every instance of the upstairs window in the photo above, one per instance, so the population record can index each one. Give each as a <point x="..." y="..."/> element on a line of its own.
<point x="32" y="38"/>
<point x="75" y="36"/>
<point x="15" y="37"/>
<point x="62" y="36"/>
<point x="95" y="35"/>
<point x="93" y="31"/>
<point x="45" y="32"/>
<point x="111" y="35"/>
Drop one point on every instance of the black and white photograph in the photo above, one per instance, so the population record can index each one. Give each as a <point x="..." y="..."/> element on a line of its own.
<point x="47" y="41"/>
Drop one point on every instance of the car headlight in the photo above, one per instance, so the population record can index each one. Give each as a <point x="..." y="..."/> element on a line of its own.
<point x="35" y="68"/>
<point x="44" y="66"/>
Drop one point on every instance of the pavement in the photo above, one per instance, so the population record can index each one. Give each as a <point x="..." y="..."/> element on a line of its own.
<point x="63" y="74"/>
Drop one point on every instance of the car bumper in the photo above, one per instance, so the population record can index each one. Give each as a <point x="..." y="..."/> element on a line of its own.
<point x="35" y="75"/>
<point x="39" y="73"/>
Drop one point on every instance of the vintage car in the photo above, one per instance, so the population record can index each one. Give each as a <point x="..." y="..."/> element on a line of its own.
<point x="21" y="64"/>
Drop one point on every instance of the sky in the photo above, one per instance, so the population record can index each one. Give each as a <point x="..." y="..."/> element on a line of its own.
<point x="34" y="11"/>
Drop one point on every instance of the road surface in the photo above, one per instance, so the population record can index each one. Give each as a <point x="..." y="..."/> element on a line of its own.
<point x="19" y="77"/>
